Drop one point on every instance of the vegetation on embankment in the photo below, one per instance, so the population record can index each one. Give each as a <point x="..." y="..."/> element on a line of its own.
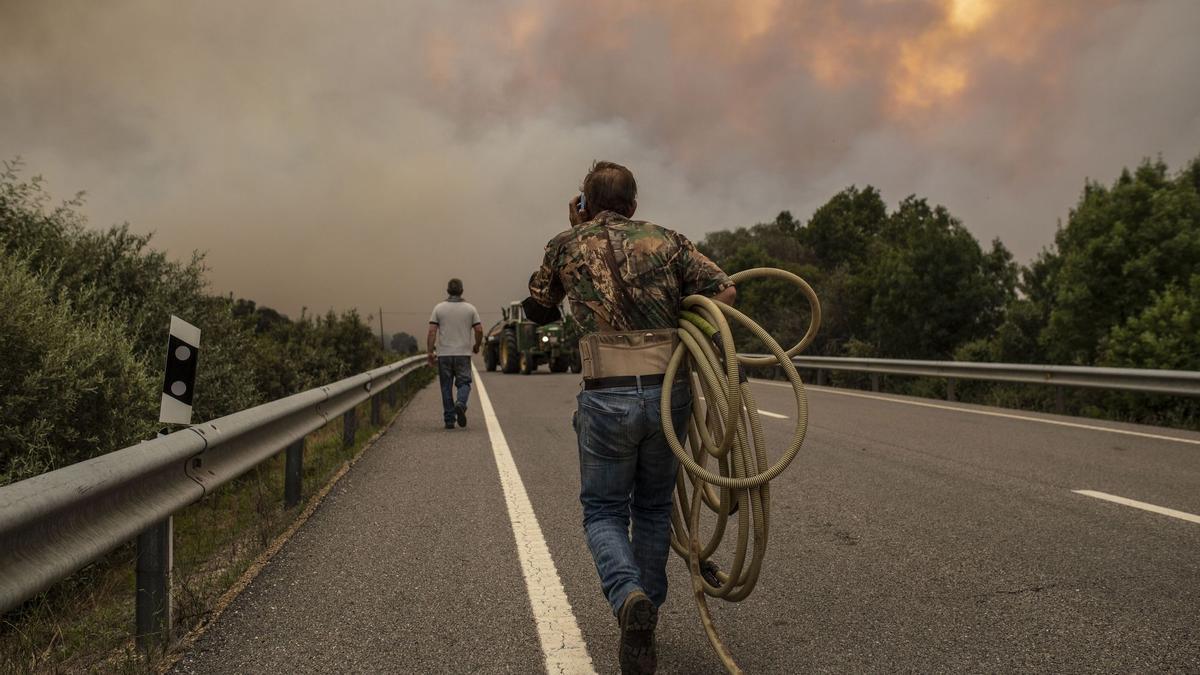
<point x="1120" y="287"/>
<point x="83" y="333"/>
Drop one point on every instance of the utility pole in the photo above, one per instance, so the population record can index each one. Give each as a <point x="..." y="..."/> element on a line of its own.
<point x="381" y="342"/>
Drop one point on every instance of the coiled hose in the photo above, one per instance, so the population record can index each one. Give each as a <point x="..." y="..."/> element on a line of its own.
<point x="727" y="432"/>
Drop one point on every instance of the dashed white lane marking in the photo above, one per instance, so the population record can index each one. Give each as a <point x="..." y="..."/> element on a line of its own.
<point x="558" y="631"/>
<point x="1026" y="418"/>
<point x="1182" y="515"/>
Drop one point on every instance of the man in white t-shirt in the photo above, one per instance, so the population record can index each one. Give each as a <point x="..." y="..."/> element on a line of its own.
<point x="450" y="342"/>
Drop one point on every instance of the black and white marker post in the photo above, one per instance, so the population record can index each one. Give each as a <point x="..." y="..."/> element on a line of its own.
<point x="154" y="546"/>
<point x="183" y="347"/>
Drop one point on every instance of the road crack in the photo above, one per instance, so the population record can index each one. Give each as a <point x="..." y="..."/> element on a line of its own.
<point x="982" y="597"/>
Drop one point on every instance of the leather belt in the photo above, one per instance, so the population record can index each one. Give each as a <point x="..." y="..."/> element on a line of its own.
<point x="625" y="381"/>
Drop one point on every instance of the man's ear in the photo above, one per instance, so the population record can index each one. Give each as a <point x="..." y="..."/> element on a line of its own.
<point x="632" y="209"/>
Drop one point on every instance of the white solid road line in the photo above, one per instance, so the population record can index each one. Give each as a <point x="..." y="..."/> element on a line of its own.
<point x="1026" y="418"/>
<point x="558" y="631"/>
<point x="1182" y="515"/>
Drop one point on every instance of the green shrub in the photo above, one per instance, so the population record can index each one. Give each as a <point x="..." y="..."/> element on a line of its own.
<point x="92" y="308"/>
<point x="70" y="387"/>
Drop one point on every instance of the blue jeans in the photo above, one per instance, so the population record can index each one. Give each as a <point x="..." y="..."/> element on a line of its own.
<point x="626" y="470"/>
<point x="454" y="371"/>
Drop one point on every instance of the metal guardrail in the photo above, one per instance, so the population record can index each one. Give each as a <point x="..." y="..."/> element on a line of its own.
<point x="1177" y="382"/>
<point x="54" y="524"/>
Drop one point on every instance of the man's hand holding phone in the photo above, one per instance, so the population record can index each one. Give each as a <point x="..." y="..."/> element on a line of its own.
<point x="577" y="211"/>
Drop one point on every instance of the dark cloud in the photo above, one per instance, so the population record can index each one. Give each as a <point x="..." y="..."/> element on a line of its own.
<point x="360" y="154"/>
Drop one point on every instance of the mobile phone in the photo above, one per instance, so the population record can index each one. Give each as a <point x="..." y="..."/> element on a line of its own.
<point x="582" y="203"/>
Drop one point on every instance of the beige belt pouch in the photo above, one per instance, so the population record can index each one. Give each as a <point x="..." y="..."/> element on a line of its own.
<point x="614" y="354"/>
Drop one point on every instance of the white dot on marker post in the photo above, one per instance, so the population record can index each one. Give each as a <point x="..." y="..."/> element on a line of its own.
<point x="183" y="353"/>
<point x="178" y="388"/>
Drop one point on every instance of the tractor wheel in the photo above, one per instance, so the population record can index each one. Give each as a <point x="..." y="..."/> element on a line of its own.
<point x="576" y="363"/>
<point x="509" y="357"/>
<point x="558" y="364"/>
<point x="528" y="363"/>
<point x="490" y="357"/>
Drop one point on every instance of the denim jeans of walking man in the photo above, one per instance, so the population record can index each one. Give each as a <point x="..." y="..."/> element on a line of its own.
<point x="627" y="474"/>
<point x="454" y="374"/>
<point x="449" y="347"/>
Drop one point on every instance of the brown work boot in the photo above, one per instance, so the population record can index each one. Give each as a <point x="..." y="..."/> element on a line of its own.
<point x="638" y="618"/>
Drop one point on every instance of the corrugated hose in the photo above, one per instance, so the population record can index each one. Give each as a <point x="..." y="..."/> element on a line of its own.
<point x="726" y="432"/>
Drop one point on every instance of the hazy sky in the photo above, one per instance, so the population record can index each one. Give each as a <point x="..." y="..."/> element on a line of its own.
<point x="358" y="154"/>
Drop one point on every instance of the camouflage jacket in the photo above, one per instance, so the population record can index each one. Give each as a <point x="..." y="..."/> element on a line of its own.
<point x="659" y="268"/>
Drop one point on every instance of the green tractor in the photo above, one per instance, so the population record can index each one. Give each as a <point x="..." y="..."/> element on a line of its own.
<point x="517" y="344"/>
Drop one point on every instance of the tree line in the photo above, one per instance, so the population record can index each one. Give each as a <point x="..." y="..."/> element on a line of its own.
<point x="83" y="336"/>
<point x="1119" y="286"/>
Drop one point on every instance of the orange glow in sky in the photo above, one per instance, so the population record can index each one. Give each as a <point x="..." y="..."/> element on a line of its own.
<point x="967" y="15"/>
<point x="931" y="69"/>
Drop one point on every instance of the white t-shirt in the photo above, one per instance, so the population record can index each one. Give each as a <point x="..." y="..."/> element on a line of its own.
<point x="456" y="321"/>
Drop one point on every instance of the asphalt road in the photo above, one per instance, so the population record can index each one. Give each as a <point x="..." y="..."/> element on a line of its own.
<point x="909" y="535"/>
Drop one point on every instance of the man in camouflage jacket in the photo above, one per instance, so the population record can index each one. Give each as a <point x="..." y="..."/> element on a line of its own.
<point x="626" y="468"/>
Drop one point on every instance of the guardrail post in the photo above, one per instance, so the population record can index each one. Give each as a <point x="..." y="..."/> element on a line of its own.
<point x="376" y="411"/>
<point x="1060" y="405"/>
<point x="293" y="474"/>
<point x="874" y="381"/>
<point x="820" y="377"/>
<point x="153" y="604"/>
<point x="392" y="396"/>
<point x="949" y="388"/>
<point x="349" y="427"/>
